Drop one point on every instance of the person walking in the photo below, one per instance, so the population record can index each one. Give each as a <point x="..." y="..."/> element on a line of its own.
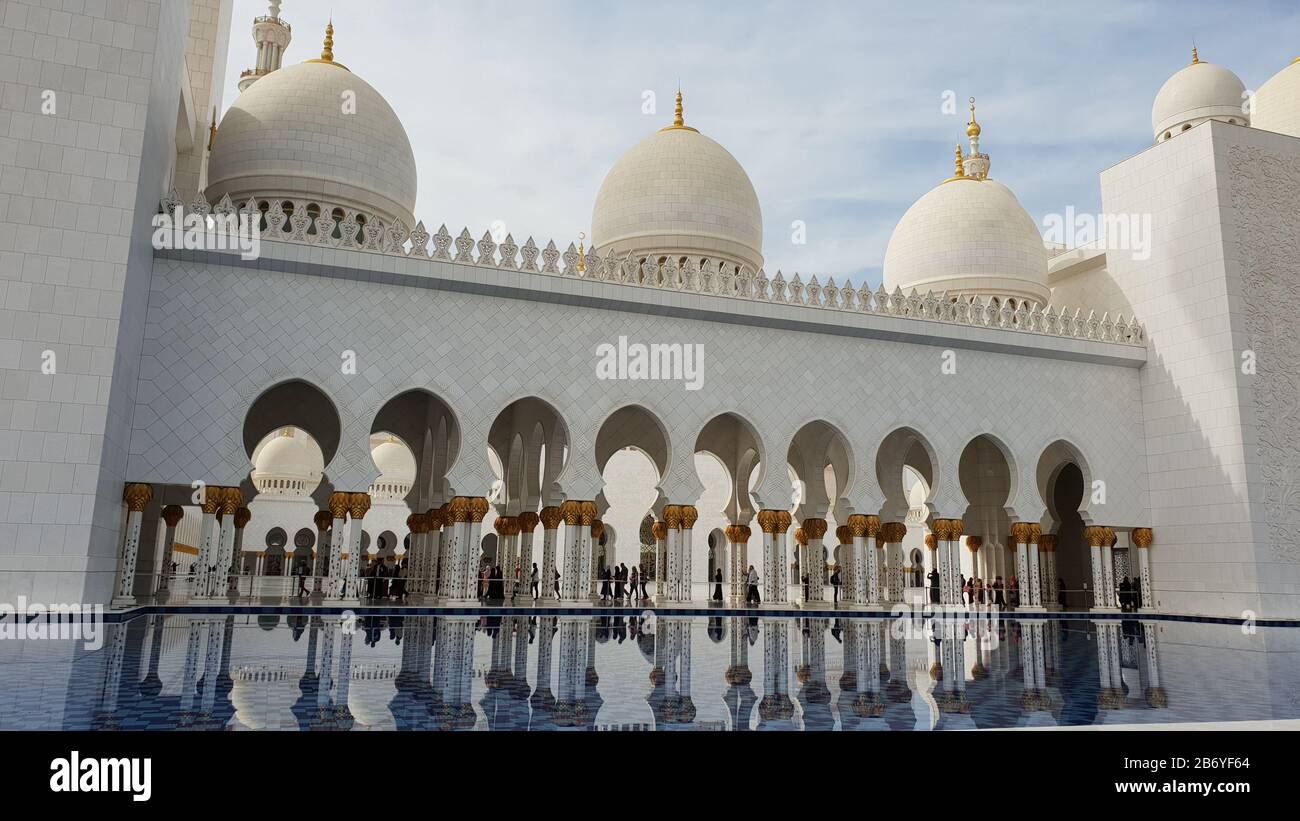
<point x="968" y="590"/>
<point x="557" y="583"/>
<point x="752" y="596"/>
<point x="634" y="579"/>
<point x="717" y="584"/>
<point x="998" y="600"/>
<point x="835" y="583"/>
<point x="933" y="577"/>
<point x="644" y="578"/>
<point x="618" y="582"/>
<point x="532" y="580"/>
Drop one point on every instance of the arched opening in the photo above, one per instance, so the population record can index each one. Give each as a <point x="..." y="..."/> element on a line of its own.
<point x="1062" y="477"/>
<point x="728" y="460"/>
<point x="986" y="474"/>
<point x="633" y="445"/>
<point x="300" y="408"/>
<point x="821" y="461"/>
<point x="414" y="440"/>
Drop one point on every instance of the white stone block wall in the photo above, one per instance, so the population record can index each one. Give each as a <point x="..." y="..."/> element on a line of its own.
<point x="75" y="260"/>
<point x="1220" y="281"/>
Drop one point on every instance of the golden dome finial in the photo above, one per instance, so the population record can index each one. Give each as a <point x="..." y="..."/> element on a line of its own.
<point x="972" y="128"/>
<point x="679" y="120"/>
<point x="1196" y="58"/>
<point x="960" y="170"/>
<point x="582" y="235"/>
<point x="327" y="53"/>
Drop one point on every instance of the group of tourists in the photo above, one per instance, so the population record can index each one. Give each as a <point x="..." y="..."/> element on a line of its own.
<point x="379" y="580"/>
<point x="622" y="584"/>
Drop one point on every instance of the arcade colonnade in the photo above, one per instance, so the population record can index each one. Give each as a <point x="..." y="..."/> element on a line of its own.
<point x="443" y="562"/>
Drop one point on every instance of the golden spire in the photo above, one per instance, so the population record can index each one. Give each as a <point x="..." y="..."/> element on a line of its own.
<point x="1196" y="58"/>
<point x="959" y="169"/>
<point x="327" y="53"/>
<point x="972" y="128"/>
<point x="212" y="130"/>
<point x="679" y="121"/>
<point x="582" y="235"/>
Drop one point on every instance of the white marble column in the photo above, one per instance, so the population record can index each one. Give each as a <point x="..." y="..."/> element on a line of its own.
<point x="171" y="515"/>
<point x="660" y="529"/>
<point x="551" y="518"/>
<point x="1142" y="538"/>
<point x="207" y="540"/>
<point x="873" y="556"/>
<point x="338" y="508"/>
<point x="814" y="565"/>
<point x="1100" y="539"/>
<point x="1035" y="581"/>
<point x="571" y="575"/>
<point x="358" y="505"/>
<point x="472" y="543"/>
<point x="689" y="516"/>
<point x="672" y="545"/>
<point x="527" y="526"/>
<point x="858" y="547"/>
<point x="322" y="520"/>
<point x="137" y="496"/>
<point x="231" y="499"/>
<point x="738" y="539"/>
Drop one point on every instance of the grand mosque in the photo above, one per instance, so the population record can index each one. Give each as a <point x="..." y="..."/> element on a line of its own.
<point x="219" y="424"/>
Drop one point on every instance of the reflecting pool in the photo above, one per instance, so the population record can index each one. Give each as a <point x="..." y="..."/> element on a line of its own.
<point x="544" y="671"/>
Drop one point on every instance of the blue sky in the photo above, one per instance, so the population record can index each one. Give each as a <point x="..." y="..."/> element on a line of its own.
<point x="516" y="110"/>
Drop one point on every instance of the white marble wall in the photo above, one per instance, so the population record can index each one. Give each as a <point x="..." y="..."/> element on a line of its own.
<point x="1220" y="281"/>
<point x="75" y="261"/>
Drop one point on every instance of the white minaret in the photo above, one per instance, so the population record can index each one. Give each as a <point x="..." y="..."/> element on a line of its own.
<point x="976" y="164"/>
<point x="272" y="36"/>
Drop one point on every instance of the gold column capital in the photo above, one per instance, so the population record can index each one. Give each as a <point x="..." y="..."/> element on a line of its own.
<point x="137" y="496"/>
<point x="1020" y="532"/>
<point x="767" y="521"/>
<point x="844" y="535"/>
<point x="1142" y="536"/>
<point x="673" y="516"/>
<point x="231" y="500"/>
<point x="814" y="528"/>
<point x="172" y="515"/>
<point x="1035" y="532"/>
<point x="338" y="504"/>
<point x="689" y="516"/>
<point x="458" y="509"/>
<point x="1047" y="543"/>
<point x="660" y="529"/>
<point x="528" y="521"/>
<point x="551" y="517"/>
<point x="358" y="505"/>
<point x="930" y="541"/>
<point x="433" y="519"/>
<point x="242" y="517"/>
<point x="212" y="495"/>
<point x="800" y="536"/>
<point x="783" y="521"/>
<point x="939" y="531"/>
<point x="478" y="508"/>
<point x="974" y="543"/>
<point x="323" y="519"/>
<point x="597" y="530"/>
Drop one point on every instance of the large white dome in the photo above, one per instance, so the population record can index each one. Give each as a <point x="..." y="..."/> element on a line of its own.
<point x="1196" y="93"/>
<point x="971" y="236"/>
<point x="1277" y="102"/>
<point x="679" y="192"/>
<point x="315" y="131"/>
<point x="287" y="463"/>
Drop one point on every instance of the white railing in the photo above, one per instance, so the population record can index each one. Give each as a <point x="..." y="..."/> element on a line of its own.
<point x="319" y="223"/>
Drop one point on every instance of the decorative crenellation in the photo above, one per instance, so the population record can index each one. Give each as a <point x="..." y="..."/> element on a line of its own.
<point x="315" y="222"/>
